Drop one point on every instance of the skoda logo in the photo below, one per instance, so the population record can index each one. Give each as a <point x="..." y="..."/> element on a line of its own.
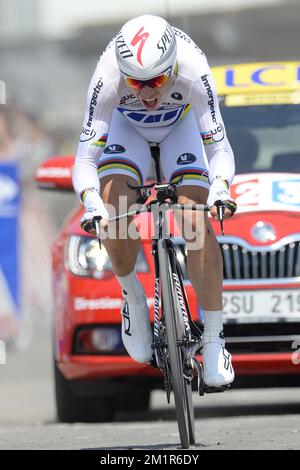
<point x="263" y="232"/>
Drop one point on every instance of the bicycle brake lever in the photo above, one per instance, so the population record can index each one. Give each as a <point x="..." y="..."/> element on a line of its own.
<point x="221" y="210"/>
<point x="96" y="221"/>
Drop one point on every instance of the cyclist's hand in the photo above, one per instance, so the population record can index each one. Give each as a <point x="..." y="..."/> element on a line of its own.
<point x="94" y="207"/>
<point x="219" y="191"/>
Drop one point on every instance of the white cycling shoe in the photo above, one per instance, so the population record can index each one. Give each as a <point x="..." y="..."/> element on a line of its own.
<point x="136" y="331"/>
<point x="217" y="366"/>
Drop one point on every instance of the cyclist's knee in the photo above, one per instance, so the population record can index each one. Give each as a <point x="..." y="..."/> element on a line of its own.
<point x="193" y="224"/>
<point x="115" y="192"/>
<point x="192" y="194"/>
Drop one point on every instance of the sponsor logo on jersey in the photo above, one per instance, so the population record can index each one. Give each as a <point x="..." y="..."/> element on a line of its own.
<point x="87" y="134"/>
<point x="93" y="102"/>
<point x="177" y="96"/>
<point x="165" y="40"/>
<point x="186" y="158"/>
<point x="127" y="99"/>
<point x="211" y="101"/>
<point x="161" y="117"/>
<point x="214" y="135"/>
<point x="114" y="148"/>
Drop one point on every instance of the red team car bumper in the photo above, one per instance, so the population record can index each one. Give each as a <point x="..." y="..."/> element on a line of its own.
<point x="89" y="368"/>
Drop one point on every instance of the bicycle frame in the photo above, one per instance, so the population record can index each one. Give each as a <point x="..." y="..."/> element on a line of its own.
<point x="176" y="338"/>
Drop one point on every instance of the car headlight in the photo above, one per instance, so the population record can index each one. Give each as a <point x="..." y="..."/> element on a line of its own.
<point x="86" y="259"/>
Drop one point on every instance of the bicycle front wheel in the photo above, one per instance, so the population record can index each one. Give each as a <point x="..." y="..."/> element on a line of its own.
<point x="175" y="333"/>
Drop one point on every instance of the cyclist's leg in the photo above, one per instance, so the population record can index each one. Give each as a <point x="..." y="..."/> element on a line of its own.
<point x="119" y="198"/>
<point x="126" y="159"/>
<point x="182" y="155"/>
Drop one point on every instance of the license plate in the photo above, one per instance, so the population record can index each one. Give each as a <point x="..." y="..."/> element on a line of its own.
<point x="261" y="306"/>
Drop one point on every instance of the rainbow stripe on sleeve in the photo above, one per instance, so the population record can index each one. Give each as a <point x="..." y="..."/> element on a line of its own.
<point x="207" y="138"/>
<point x="101" y="142"/>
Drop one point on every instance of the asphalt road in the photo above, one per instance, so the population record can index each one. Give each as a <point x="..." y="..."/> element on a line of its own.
<point x="238" y="419"/>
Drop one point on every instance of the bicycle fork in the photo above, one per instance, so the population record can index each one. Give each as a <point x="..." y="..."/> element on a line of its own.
<point x="192" y="367"/>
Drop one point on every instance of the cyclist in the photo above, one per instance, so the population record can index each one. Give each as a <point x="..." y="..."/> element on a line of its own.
<point x="153" y="84"/>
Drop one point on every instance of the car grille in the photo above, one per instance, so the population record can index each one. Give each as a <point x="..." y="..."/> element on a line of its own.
<point x="242" y="261"/>
<point x="262" y="337"/>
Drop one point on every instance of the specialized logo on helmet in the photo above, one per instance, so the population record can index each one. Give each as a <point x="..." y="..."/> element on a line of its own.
<point x="142" y="38"/>
<point x="123" y="49"/>
<point x="165" y="40"/>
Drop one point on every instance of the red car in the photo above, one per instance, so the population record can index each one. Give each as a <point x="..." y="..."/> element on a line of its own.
<point x="94" y="375"/>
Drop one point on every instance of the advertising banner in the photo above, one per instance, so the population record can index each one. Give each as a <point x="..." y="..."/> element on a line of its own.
<point x="9" y="250"/>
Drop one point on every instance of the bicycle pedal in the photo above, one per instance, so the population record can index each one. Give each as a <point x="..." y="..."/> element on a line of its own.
<point x="209" y="389"/>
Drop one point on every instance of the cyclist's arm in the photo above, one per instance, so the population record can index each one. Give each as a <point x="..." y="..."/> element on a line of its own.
<point x="211" y="126"/>
<point x="101" y="101"/>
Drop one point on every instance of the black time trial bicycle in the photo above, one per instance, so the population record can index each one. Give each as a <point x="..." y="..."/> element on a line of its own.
<point x="176" y="337"/>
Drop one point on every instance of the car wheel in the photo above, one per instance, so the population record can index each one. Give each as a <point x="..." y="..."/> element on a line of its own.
<point x="74" y="408"/>
<point x="135" y="401"/>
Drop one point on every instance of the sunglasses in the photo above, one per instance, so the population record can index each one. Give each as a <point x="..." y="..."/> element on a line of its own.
<point x="156" y="82"/>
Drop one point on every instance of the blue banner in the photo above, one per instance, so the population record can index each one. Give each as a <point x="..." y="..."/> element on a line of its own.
<point x="10" y="202"/>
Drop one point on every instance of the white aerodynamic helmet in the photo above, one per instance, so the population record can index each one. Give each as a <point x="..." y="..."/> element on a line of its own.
<point x="146" y="47"/>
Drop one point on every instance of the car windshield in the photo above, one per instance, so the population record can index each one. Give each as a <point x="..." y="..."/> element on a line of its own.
<point x="264" y="138"/>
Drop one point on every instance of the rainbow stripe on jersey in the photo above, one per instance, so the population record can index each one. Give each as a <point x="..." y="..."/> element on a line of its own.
<point x="190" y="174"/>
<point x="119" y="166"/>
